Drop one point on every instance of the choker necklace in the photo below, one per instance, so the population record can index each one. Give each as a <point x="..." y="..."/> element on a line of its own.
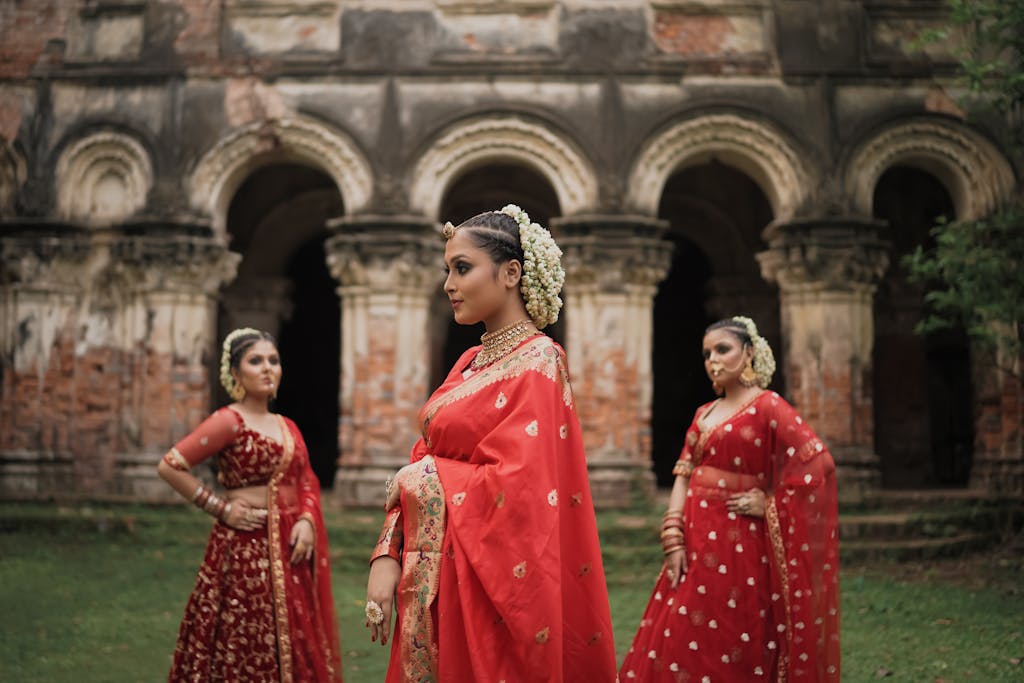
<point x="501" y="342"/>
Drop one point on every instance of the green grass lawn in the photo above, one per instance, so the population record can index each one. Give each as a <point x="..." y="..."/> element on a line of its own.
<point x="95" y="594"/>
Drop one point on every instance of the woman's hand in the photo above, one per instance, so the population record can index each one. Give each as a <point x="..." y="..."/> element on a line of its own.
<point x="751" y="503"/>
<point x="302" y="541"/>
<point x="675" y="566"/>
<point x="380" y="588"/>
<point x="245" y="517"/>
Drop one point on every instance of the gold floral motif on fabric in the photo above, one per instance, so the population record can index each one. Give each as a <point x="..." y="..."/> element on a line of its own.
<point x="284" y="641"/>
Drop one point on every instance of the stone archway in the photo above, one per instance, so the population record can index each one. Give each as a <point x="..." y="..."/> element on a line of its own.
<point x="277" y="220"/>
<point x="922" y="382"/>
<point x="223" y="169"/>
<point x="716" y="216"/>
<point x="977" y="176"/>
<point x="509" y="139"/>
<point x="103" y="179"/>
<point x="749" y="145"/>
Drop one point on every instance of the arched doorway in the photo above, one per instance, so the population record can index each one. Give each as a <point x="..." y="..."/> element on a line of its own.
<point x="922" y="384"/>
<point x="276" y="220"/>
<point x="488" y="188"/>
<point x="716" y="214"/>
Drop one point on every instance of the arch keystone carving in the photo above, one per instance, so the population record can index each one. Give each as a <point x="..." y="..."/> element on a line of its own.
<point x="222" y="170"/>
<point x="976" y="174"/>
<point x="505" y="138"/>
<point x="743" y="143"/>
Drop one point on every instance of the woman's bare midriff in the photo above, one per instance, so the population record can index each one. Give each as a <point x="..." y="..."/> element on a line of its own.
<point x="255" y="496"/>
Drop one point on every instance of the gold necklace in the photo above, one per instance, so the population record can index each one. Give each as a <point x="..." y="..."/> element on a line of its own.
<point x="500" y="343"/>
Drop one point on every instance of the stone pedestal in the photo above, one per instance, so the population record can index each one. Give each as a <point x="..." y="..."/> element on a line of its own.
<point x="827" y="271"/>
<point x="105" y="333"/>
<point x="389" y="269"/>
<point x="613" y="265"/>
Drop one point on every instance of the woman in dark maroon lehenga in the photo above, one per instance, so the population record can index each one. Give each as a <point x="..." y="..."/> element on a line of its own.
<point x="262" y="608"/>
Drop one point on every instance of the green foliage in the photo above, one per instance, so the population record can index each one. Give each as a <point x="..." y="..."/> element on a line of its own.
<point x="975" y="272"/>
<point x="976" y="277"/>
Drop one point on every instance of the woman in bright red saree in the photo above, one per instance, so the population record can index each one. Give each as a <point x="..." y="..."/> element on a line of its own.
<point x="262" y="609"/>
<point x="749" y="590"/>
<point x="491" y="544"/>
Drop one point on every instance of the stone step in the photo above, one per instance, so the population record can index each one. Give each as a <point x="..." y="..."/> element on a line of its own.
<point x="906" y="550"/>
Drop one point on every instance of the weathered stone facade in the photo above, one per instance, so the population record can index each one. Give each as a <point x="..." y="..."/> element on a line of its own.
<point x="171" y="169"/>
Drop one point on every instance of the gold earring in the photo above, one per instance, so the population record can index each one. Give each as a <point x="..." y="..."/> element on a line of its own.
<point x="238" y="391"/>
<point x="749" y="377"/>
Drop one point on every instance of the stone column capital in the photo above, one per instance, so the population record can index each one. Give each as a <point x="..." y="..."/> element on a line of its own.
<point x="826" y="254"/>
<point x="612" y="251"/>
<point x="44" y="256"/>
<point x="172" y="258"/>
<point x="385" y="253"/>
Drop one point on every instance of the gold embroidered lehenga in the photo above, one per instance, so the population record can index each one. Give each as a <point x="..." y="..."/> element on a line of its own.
<point x="253" y="615"/>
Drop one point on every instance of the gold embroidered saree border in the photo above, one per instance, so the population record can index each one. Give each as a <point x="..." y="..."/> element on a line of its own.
<point x="532" y="355"/>
<point x="417" y="650"/>
<point x="771" y="516"/>
<point x="284" y="641"/>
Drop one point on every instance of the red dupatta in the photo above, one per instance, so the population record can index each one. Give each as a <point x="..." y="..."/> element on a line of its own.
<point x="502" y="577"/>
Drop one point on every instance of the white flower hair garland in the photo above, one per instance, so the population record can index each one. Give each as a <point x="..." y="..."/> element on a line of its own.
<point x="226" y="379"/>
<point x="763" y="361"/>
<point x="543" y="275"/>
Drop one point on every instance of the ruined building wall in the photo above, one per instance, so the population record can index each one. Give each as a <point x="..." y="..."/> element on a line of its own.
<point x="129" y="131"/>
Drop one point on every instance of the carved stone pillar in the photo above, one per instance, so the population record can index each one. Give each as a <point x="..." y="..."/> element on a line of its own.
<point x="613" y="266"/>
<point x="389" y="269"/>
<point x="165" y="289"/>
<point x="104" y="339"/>
<point x="827" y="271"/>
<point x="998" y="464"/>
<point x="42" y="269"/>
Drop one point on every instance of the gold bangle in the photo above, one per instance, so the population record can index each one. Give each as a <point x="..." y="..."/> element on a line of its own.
<point x="683" y="468"/>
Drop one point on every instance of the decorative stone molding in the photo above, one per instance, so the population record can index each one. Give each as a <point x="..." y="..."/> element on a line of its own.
<point x="613" y="252"/>
<point x="749" y="145"/>
<point x="503" y="138"/>
<point x="976" y="174"/>
<point x="222" y="170"/>
<point x="826" y="254"/>
<point x="103" y="179"/>
<point x="385" y="253"/>
<point x="172" y="263"/>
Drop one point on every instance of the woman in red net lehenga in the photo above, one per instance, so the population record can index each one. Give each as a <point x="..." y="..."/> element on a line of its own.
<point x="749" y="590"/>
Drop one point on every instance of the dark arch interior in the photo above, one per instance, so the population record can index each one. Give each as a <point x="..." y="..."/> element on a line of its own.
<point x="716" y="215"/>
<point x="924" y="431"/>
<point x="286" y="206"/>
<point x="488" y="188"/>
